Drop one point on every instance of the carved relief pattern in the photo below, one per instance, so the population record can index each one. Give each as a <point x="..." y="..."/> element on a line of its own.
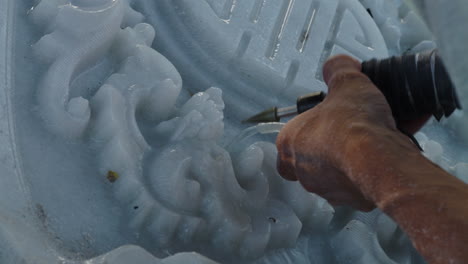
<point x="178" y="185"/>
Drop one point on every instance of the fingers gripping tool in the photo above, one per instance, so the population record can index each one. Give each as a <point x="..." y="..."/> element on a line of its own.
<point x="414" y="86"/>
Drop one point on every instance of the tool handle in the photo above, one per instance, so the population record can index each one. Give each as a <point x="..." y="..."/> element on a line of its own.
<point x="414" y="85"/>
<point x="309" y="101"/>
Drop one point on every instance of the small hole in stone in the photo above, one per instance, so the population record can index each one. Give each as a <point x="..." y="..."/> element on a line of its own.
<point x="272" y="219"/>
<point x="135" y="207"/>
<point x="370" y="12"/>
<point x="112" y="176"/>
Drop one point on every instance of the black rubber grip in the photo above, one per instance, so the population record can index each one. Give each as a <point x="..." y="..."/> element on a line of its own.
<point x="414" y="85"/>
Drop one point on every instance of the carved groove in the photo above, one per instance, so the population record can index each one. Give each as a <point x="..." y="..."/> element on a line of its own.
<point x="244" y="43"/>
<point x="330" y="39"/>
<point x="305" y="33"/>
<point x="292" y="72"/>
<point x="228" y="10"/>
<point x="257" y="10"/>
<point x="278" y="30"/>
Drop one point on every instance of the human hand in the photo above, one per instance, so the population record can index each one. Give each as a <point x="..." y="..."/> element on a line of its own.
<point x="315" y="147"/>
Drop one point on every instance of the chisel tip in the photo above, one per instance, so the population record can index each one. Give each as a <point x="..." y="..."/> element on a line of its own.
<point x="269" y="115"/>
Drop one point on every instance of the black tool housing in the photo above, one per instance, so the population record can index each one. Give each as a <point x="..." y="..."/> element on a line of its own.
<point x="414" y="85"/>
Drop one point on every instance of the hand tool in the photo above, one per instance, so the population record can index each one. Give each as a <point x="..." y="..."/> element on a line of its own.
<point x="414" y="85"/>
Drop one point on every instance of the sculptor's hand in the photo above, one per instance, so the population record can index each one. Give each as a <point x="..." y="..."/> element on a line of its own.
<point x="313" y="147"/>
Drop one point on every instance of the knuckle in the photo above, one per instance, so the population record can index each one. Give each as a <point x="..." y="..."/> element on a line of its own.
<point x="346" y="77"/>
<point x="284" y="147"/>
<point x="339" y="63"/>
<point x="281" y="140"/>
<point x="286" y="168"/>
<point x="341" y="59"/>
